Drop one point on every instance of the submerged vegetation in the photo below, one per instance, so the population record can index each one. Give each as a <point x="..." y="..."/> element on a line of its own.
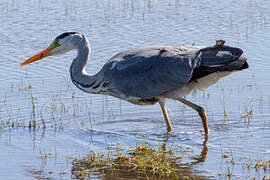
<point x="141" y="162"/>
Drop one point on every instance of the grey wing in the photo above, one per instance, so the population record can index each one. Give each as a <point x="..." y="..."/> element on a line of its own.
<point x="152" y="71"/>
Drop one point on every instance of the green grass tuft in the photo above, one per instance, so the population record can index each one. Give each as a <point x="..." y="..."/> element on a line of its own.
<point x="141" y="162"/>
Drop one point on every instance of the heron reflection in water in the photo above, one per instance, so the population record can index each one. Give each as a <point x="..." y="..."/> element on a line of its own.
<point x="147" y="75"/>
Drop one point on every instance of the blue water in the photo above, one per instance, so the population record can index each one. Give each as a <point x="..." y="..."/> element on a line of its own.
<point x="70" y="123"/>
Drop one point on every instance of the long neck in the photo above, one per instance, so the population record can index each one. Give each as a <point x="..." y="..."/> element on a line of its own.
<point x="79" y="76"/>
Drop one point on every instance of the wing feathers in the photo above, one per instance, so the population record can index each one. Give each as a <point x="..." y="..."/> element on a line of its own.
<point x="151" y="71"/>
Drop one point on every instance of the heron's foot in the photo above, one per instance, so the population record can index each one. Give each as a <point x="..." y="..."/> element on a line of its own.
<point x="165" y="114"/>
<point x="169" y="128"/>
<point x="200" y="110"/>
<point x="203" y="116"/>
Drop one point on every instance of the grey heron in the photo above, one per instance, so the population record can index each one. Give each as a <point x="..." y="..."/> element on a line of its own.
<point x="147" y="75"/>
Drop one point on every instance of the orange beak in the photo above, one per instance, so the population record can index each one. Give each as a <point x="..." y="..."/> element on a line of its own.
<point x="42" y="54"/>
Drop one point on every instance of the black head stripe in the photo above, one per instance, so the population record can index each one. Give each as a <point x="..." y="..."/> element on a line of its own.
<point x="65" y="34"/>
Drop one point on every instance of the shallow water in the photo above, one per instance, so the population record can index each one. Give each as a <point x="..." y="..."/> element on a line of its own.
<point x="69" y="122"/>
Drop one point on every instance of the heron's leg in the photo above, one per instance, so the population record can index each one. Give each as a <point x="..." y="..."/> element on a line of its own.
<point x="163" y="108"/>
<point x="199" y="109"/>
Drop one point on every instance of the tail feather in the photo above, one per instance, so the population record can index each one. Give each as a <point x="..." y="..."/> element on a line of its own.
<point x="219" y="58"/>
<point x="218" y="54"/>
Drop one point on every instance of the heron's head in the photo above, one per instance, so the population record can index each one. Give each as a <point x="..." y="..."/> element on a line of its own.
<point x="62" y="44"/>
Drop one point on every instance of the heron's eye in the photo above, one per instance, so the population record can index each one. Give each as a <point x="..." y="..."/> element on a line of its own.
<point x="56" y="43"/>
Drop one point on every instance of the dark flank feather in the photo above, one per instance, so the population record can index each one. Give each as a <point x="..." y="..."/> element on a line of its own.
<point x="219" y="58"/>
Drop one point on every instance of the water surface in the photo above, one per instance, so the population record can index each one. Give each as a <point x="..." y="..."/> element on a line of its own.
<point x="70" y="123"/>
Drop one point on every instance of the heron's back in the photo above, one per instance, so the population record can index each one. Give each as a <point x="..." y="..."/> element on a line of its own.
<point x="149" y="72"/>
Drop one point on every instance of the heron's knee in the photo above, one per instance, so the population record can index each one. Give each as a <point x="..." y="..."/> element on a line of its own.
<point x="200" y="109"/>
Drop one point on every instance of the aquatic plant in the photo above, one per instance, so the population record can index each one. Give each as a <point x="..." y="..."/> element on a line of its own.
<point x="143" y="161"/>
